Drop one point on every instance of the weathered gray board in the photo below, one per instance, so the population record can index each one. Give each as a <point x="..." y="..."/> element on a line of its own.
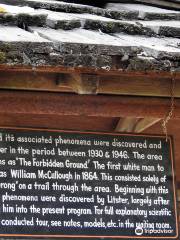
<point x="170" y="4"/>
<point x="82" y="184"/>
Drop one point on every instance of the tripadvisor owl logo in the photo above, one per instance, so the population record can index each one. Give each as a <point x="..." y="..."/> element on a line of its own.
<point x="139" y="231"/>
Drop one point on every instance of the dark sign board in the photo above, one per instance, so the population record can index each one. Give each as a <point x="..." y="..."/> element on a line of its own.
<point x="82" y="184"/>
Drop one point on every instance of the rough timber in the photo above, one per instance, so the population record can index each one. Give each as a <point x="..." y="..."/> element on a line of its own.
<point x="122" y="37"/>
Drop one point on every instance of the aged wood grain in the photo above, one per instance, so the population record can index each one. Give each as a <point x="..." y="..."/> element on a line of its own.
<point x="30" y="102"/>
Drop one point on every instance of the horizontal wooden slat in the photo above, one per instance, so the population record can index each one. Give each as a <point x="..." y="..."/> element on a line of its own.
<point x="89" y="83"/>
<point x="58" y="122"/>
<point x="23" y="102"/>
<point x="138" y="86"/>
<point x="103" y="71"/>
<point x="32" y="81"/>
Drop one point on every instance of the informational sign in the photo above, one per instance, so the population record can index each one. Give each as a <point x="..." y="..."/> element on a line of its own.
<point x="82" y="184"/>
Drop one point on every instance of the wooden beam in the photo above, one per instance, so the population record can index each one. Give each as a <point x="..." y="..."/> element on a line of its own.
<point x="29" y="102"/>
<point x="126" y="124"/>
<point x="32" y="81"/>
<point x="80" y="83"/>
<point x="89" y="83"/>
<point x="71" y="70"/>
<point x="46" y="121"/>
<point x="145" y="123"/>
<point x="138" y="86"/>
<point x="136" y="125"/>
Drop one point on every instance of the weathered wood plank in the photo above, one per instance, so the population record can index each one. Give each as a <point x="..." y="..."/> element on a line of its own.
<point x="89" y="83"/>
<point x="32" y="81"/>
<point x="126" y="124"/>
<point x="145" y="123"/>
<point x="163" y="28"/>
<point x="103" y="71"/>
<point x="23" y="102"/>
<point x="81" y="83"/>
<point x="58" y="122"/>
<point x="147" y="12"/>
<point x="138" y="86"/>
<point x="173" y="4"/>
